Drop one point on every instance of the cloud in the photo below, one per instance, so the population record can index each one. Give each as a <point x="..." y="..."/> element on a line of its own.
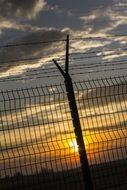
<point x="62" y="14"/>
<point x="106" y="16"/>
<point x="31" y="51"/>
<point x="87" y="18"/>
<point x="21" y="9"/>
<point x="81" y="7"/>
<point x="11" y="24"/>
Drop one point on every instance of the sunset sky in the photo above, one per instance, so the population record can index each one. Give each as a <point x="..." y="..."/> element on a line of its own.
<point x="30" y="21"/>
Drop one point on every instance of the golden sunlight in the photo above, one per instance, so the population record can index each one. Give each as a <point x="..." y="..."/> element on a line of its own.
<point x="73" y="145"/>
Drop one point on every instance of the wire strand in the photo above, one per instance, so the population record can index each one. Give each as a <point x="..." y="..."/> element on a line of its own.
<point x="63" y="59"/>
<point x="62" y="40"/>
<point x="29" y="77"/>
<point x="76" y="66"/>
<point x="31" y="43"/>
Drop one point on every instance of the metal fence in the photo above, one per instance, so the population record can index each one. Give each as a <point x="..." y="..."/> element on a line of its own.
<point x="38" y="142"/>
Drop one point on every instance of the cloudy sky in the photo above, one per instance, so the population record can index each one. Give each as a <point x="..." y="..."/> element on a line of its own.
<point x="30" y="21"/>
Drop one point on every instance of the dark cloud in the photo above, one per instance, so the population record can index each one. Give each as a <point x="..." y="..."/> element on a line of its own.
<point x="101" y="23"/>
<point x="59" y="14"/>
<point x="27" y="51"/>
<point x="21" y="8"/>
<point x="120" y="29"/>
<point x="97" y="4"/>
<point x="81" y="6"/>
<point x="63" y="13"/>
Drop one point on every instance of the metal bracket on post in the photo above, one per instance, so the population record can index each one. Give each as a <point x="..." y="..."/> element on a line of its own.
<point x="76" y="121"/>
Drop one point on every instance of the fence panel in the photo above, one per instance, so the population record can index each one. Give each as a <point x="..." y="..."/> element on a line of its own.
<point x="38" y="144"/>
<point x="102" y="106"/>
<point x="38" y="147"/>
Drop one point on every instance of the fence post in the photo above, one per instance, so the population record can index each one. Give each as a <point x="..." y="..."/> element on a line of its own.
<point x="76" y="123"/>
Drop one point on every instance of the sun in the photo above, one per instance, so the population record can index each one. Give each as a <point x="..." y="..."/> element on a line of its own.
<point x="73" y="144"/>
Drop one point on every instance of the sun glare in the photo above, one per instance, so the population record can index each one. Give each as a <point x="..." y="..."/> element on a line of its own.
<point x="73" y="145"/>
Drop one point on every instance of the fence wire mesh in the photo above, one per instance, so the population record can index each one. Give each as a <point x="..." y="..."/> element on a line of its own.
<point x="38" y="144"/>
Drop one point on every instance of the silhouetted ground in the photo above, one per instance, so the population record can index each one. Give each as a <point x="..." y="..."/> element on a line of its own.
<point x="109" y="176"/>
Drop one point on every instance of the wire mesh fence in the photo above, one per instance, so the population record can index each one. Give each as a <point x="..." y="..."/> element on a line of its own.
<point x="38" y="143"/>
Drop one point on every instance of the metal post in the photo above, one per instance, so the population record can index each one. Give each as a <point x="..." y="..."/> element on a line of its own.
<point x="76" y="121"/>
<point x="67" y="56"/>
<point x="78" y="134"/>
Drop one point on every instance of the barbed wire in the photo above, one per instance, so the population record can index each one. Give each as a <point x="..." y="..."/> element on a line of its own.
<point x="36" y="76"/>
<point x="62" y="40"/>
<point x="31" y="43"/>
<point x="24" y="59"/>
<point x="76" y="66"/>
<point x="63" y="59"/>
<point x="29" y="73"/>
<point x="98" y="71"/>
<point x="98" y="37"/>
